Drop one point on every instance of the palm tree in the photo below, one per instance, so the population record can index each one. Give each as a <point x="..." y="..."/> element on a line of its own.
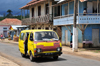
<point x="9" y="11"/>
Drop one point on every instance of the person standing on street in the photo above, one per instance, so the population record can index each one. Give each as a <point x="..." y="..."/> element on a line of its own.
<point x="26" y="44"/>
<point x="1" y="36"/>
<point x="71" y="40"/>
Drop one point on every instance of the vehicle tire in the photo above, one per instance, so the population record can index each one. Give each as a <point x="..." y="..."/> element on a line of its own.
<point x="23" y="55"/>
<point x="31" y="57"/>
<point x="55" y="57"/>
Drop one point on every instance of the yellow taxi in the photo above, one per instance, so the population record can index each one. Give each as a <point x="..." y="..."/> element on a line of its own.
<point x="40" y="43"/>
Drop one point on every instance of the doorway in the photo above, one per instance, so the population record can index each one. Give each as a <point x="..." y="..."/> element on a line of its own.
<point x="5" y="34"/>
<point x="95" y="37"/>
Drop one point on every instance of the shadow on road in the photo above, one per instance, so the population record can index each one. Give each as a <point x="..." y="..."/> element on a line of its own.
<point x="42" y="60"/>
<point x="46" y="59"/>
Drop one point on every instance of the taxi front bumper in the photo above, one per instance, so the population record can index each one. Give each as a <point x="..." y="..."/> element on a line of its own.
<point x="48" y="54"/>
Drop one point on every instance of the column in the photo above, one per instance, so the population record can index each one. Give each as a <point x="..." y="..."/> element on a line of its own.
<point x="30" y="13"/>
<point x="44" y="8"/>
<point x="24" y="14"/>
<point x="21" y="14"/>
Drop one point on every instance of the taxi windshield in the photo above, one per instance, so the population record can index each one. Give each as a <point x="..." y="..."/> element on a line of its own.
<point x="46" y="36"/>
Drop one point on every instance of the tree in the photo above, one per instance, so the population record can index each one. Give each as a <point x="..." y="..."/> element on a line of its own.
<point x="9" y="13"/>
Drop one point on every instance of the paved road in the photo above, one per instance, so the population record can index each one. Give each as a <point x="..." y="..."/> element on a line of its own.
<point x="12" y="52"/>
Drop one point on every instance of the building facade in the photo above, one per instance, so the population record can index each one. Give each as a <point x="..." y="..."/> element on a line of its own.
<point x="41" y="16"/>
<point x="88" y="21"/>
<point x="6" y="24"/>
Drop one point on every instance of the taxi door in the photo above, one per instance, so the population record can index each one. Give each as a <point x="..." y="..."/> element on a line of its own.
<point x="30" y="43"/>
<point x="21" y="42"/>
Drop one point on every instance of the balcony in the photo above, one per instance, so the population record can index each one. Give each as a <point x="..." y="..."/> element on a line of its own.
<point x="90" y="18"/>
<point x="39" y="20"/>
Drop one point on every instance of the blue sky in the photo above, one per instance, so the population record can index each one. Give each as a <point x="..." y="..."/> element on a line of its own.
<point x="13" y="5"/>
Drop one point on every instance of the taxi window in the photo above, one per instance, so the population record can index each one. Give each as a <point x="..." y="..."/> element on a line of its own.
<point x="31" y="37"/>
<point x="22" y="36"/>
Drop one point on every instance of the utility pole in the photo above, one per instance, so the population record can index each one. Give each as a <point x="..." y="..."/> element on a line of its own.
<point x="75" y="37"/>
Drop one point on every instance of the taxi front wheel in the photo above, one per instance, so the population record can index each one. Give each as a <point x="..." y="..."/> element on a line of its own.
<point x="55" y="57"/>
<point x="31" y="57"/>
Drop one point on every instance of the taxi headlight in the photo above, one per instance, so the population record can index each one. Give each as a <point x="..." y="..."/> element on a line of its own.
<point x="59" y="49"/>
<point x="39" y="50"/>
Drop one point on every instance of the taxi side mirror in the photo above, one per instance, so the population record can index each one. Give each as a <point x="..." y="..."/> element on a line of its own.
<point x="59" y="38"/>
<point x="32" y="39"/>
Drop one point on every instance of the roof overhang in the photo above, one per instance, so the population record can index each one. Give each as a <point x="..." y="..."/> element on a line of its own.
<point x="65" y="1"/>
<point x="31" y="4"/>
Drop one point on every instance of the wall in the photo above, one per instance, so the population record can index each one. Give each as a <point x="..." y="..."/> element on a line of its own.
<point x="71" y="7"/>
<point x="79" y="35"/>
<point x="88" y="32"/>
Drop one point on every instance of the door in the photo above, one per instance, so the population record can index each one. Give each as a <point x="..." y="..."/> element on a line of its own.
<point x="5" y="33"/>
<point x="66" y="37"/>
<point x="95" y="37"/>
<point x="21" y="42"/>
<point x="89" y="7"/>
<point x="30" y="43"/>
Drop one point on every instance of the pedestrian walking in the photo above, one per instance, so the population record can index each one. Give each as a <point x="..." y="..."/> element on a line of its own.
<point x="71" y="40"/>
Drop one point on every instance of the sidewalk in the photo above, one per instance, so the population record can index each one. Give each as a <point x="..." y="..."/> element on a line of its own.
<point x="6" y="62"/>
<point x="8" y="41"/>
<point x="67" y="50"/>
<point x="82" y="53"/>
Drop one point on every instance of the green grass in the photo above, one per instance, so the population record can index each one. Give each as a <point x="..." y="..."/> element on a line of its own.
<point x="97" y="51"/>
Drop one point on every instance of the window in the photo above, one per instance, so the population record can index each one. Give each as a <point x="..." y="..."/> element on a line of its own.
<point x="47" y="9"/>
<point x="31" y="37"/>
<point x="5" y="28"/>
<point x="22" y="36"/>
<point x="45" y="36"/>
<point x="39" y="10"/>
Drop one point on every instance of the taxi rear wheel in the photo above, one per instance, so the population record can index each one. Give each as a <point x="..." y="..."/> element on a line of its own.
<point x="55" y="57"/>
<point x="23" y="55"/>
<point x="31" y="57"/>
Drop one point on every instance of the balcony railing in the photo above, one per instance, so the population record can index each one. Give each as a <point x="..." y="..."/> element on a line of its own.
<point x="90" y="18"/>
<point x="40" y="19"/>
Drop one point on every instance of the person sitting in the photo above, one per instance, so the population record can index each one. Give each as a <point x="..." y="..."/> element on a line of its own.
<point x="39" y="37"/>
<point x="84" y="11"/>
